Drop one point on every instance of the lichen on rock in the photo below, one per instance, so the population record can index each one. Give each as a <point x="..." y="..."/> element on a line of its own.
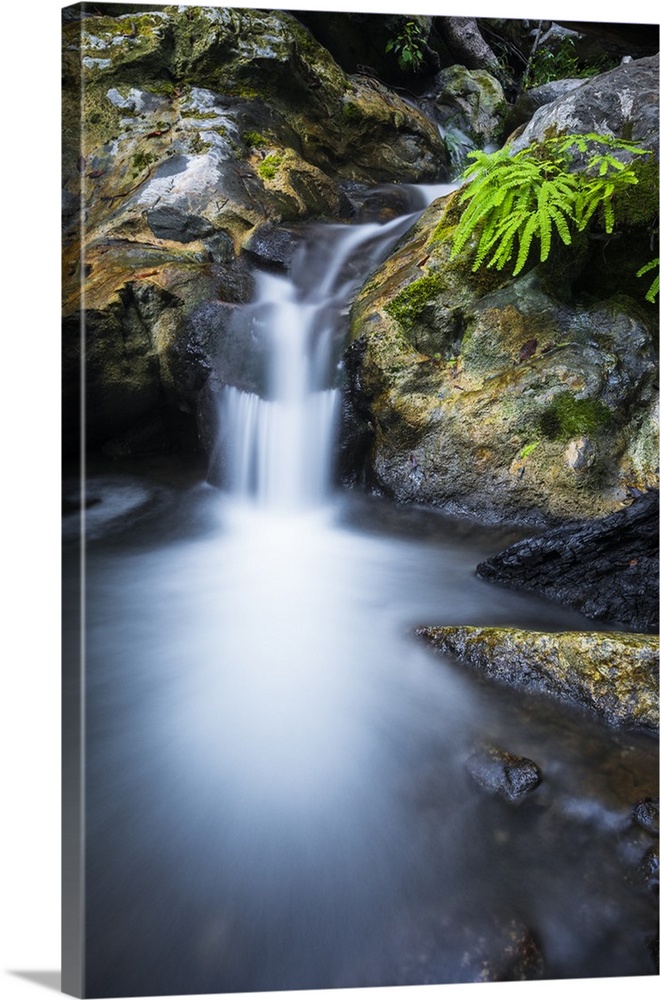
<point x="613" y="675"/>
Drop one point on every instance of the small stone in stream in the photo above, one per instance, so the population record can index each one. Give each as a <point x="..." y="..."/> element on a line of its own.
<point x="506" y="774"/>
<point x="649" y="869"/>
<point x="645" y="815"/>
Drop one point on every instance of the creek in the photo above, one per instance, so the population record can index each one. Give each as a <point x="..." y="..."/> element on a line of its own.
<point x="276" y="790"/>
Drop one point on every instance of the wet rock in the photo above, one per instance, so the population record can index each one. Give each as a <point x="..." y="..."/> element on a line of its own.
<point x="613" y="675"/>
<point x="624" y="99"/>
<point x="471" y="101"/>
<point x="606" y="569"/>
<point x="528" y="399"/>
<point x="201" y="127"/>
<point x="272" y="246"/>
<point x="536" y="97"/>
<point x="649" y="869"/>
<point x="518" y="959"/>
<point x="470" y="948"/>
<point x="645" y="815"/>
<point x="169" y="223"/>
<point x="509" y="775"/>
<point x="507" y="404"/>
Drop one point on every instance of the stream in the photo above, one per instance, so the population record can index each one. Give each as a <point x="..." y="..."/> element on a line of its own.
<point x="276" y="789"/>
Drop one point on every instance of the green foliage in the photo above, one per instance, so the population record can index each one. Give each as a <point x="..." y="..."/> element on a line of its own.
<point x="270" y="166"/>
<point x="407" y="47"/>
<point x="255" y="139"/>
<point x="410" y="302"/>
<point x="529" y="448"/>
<point x="568" y="417"/>
<point x="557" y="186"/>
<point x="141" y="160"/>
<point x="652" y="265"/>
<point x="562" y="63"/>
<point x="351" y="112"/>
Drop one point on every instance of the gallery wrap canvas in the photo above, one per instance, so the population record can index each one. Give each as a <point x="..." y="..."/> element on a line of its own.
<point x="359" y="369"/>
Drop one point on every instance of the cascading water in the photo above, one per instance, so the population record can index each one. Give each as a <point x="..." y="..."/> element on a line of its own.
<point x="277" y="448"/>
<point x="277" y="795"/>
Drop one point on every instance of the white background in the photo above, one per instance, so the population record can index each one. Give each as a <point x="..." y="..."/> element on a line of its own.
<point x="29" y="459"/>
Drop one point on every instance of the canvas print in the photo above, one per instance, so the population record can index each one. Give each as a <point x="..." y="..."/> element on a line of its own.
<point x="360" y="681"/>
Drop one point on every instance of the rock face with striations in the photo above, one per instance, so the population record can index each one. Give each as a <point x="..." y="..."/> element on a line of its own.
<point x="606" y="569"/>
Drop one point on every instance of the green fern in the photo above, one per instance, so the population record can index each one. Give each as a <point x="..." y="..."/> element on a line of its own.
<point x="652" y="265"/>
<point x="544" y="190"/>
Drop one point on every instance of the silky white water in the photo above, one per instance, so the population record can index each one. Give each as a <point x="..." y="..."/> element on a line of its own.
<point x="276" y="787"/>
<point x="277" y="449"/>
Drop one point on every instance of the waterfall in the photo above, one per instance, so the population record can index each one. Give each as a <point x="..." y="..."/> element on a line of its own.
<point x="276" y="445"/>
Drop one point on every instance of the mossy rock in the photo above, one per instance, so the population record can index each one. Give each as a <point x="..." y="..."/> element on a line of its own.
<point x="613" y="675"/>
<point x="494" y="397"/>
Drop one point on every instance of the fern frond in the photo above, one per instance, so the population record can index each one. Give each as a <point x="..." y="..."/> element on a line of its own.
<point x="525" y="242"/>
<point x="561" y="224"/>
<point x="511" y="200"/>
<point x="652" y="293"/>
<point x="545" y="234"/>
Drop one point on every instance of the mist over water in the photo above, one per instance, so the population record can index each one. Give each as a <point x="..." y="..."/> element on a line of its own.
<point x="276" y="787"/>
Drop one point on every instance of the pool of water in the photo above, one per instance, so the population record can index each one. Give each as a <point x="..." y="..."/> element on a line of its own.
<point x="276" y="789"/>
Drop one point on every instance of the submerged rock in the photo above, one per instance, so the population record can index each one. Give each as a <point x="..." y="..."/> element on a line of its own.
<point x="613" y="675"/>
<point x="509" y="775"/>
<point x="519" y="958"/>
<point x="645" y="815"/>
<point x="606" y="569"/>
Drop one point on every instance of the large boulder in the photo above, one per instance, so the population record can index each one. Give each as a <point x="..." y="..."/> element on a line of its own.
<point x="528" y="103"/>
<point x="529" y="398"/>
<point x="612" y="675"/>
<point x="195" y="128"/>
<point x="623" y="102"/>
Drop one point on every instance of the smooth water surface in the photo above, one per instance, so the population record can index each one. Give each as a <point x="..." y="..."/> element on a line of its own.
<point x="276" y="784"/>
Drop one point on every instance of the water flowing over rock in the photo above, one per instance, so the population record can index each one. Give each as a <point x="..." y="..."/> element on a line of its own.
<point x="607" y="569"/>
<point x="197" y="127"/>
<point x="613" y="675"/>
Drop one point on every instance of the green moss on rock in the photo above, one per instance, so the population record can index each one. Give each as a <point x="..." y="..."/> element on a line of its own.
<point x="613" y="675"/>
<point x="567" y="417"/>
<point x="408" y="305"/>
<point x="270" y="166"/>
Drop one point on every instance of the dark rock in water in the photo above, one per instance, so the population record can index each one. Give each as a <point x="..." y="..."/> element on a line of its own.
<point x="606" y="569"/>
<point x="272" y="246"/>
<point x="613" y="675"/>
<point x="512" y="955"/>
<point x="506" y="774"/>
<point x="645" y="815"/>
<point x="649" y="869"/>
<point x="493" y="947"/>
